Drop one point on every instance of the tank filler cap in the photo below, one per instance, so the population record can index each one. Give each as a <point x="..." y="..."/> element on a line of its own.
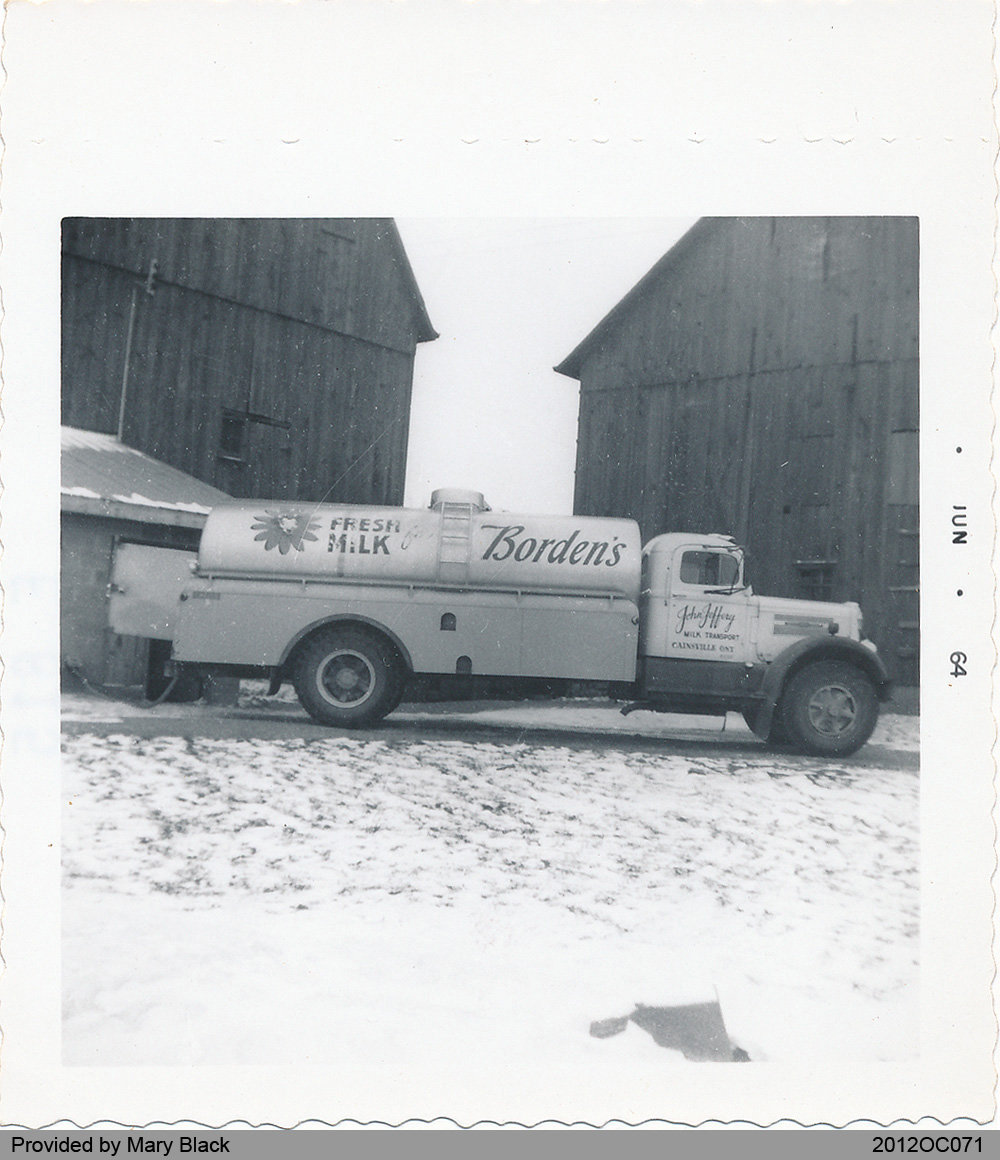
<point x="443" y="495"/>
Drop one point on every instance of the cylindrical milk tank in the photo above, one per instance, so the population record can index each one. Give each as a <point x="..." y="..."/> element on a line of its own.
<point x="476" y="547"/>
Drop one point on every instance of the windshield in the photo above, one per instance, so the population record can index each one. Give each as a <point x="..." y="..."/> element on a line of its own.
<point x="708" y="569"/>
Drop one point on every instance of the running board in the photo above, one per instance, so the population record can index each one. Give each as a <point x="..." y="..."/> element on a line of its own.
<point x="685" y="708"/>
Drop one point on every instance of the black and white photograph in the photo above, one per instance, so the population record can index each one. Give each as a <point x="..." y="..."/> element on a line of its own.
<point x="295" y="707"/>
<point x="484" y="665"/>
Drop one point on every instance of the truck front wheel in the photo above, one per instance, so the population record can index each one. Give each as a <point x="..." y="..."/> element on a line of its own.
<point x="348" y="677"/>
<point x="829" y="709"/>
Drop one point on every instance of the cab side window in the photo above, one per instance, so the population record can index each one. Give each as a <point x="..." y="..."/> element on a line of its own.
<point x="710" y="569"/>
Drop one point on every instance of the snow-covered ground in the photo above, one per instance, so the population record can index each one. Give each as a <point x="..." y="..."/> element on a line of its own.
<point x="485" y="896"/>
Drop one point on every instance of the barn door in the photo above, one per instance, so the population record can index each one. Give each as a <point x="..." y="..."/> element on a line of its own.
<point x="904" y="594"/>
<point x="903" y="557"/>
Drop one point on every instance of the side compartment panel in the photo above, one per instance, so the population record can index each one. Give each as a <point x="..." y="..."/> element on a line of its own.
<point x="502" y="634"/>
<point x="587" y="640"/>
<point x="146" y="584"/>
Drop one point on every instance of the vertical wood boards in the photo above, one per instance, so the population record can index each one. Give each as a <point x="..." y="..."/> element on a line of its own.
<point x="318" y="270"/>
<point x="307" y="328"/>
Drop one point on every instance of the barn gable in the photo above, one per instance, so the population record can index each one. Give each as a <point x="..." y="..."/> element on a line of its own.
<point x="790" y="292"/>
<point x="762" y="381"/>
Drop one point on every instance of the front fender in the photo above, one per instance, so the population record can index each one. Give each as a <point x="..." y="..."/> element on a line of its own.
<point x="803" y="652"/>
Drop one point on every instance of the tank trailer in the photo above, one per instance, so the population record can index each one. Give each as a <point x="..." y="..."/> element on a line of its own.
<point x="348" y="602"/>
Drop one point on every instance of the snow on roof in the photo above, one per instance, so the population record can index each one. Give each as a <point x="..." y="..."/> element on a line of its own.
<point x="101" y="476"/>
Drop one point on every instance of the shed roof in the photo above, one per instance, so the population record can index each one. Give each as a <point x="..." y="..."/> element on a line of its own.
<point x="572" y="364"/>
<point x="103" y="477"/>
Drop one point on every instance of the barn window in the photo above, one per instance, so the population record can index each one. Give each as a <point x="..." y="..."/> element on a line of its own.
<point x="815" y="579"/>
<point x="448" y="622"/>
<point x="232" y="436"/>
<point x="235" y="430"/>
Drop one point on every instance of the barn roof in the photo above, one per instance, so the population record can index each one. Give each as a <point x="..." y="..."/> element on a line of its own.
<point x="572" y="364"/>
<point x="103" y="477"/>
<point x="425" y="331"/>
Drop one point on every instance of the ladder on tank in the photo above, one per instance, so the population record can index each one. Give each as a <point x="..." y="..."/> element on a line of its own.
<point x="455" y="547"/>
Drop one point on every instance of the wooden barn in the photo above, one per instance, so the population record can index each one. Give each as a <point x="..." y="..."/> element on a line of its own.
<point x="762" y="381"/>
<point x="269" y="358"/>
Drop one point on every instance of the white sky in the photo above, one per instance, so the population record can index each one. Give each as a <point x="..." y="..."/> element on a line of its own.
<point x="510" y="299"/>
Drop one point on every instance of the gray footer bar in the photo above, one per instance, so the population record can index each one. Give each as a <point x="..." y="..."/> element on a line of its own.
<point x="485" y="1141"/>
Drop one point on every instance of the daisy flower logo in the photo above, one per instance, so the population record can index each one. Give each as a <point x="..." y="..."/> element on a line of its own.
<point x="284" y="530"/>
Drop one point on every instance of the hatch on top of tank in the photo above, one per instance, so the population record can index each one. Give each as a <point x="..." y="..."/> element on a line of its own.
<point x="458" y="495"/>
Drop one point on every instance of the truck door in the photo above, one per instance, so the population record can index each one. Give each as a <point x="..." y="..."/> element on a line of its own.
<point x="707" y="606"/>
<point x="695" y="609"/>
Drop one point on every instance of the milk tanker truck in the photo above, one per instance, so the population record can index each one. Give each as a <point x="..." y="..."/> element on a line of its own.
<point x="349" y="602"/>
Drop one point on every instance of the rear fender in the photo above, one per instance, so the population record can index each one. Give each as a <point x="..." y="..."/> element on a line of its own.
<point x="362" y="621"/>
<point x="806" y="651"/>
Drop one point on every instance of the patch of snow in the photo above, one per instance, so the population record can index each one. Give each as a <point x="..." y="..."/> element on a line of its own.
<point x="84" y="492"/>
<point x="439" y="900"/>
<point x="77" y="437"/>
<point x="82" y="708"/>
<point x="137" y="500"/>
<point x="172" y="505"/>
<point x="897" y="731"/>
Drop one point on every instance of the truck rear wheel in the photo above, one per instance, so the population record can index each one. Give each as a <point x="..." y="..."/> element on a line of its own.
<point x="347" y="676"/>
<point x="829" y="708"/>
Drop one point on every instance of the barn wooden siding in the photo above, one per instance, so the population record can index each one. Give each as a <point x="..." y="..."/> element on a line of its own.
<point x="273" y="358"/>
<point x="762" y="381"/>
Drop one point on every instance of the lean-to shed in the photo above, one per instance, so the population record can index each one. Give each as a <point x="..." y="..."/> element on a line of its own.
<point x="112" y="494"/>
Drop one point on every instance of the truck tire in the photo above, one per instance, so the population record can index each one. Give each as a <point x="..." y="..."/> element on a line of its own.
<point x="348" y="677"/>
<point x="829" y="709"/>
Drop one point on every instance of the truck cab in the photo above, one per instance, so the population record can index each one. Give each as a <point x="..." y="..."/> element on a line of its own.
<point x="798" y="670"/>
